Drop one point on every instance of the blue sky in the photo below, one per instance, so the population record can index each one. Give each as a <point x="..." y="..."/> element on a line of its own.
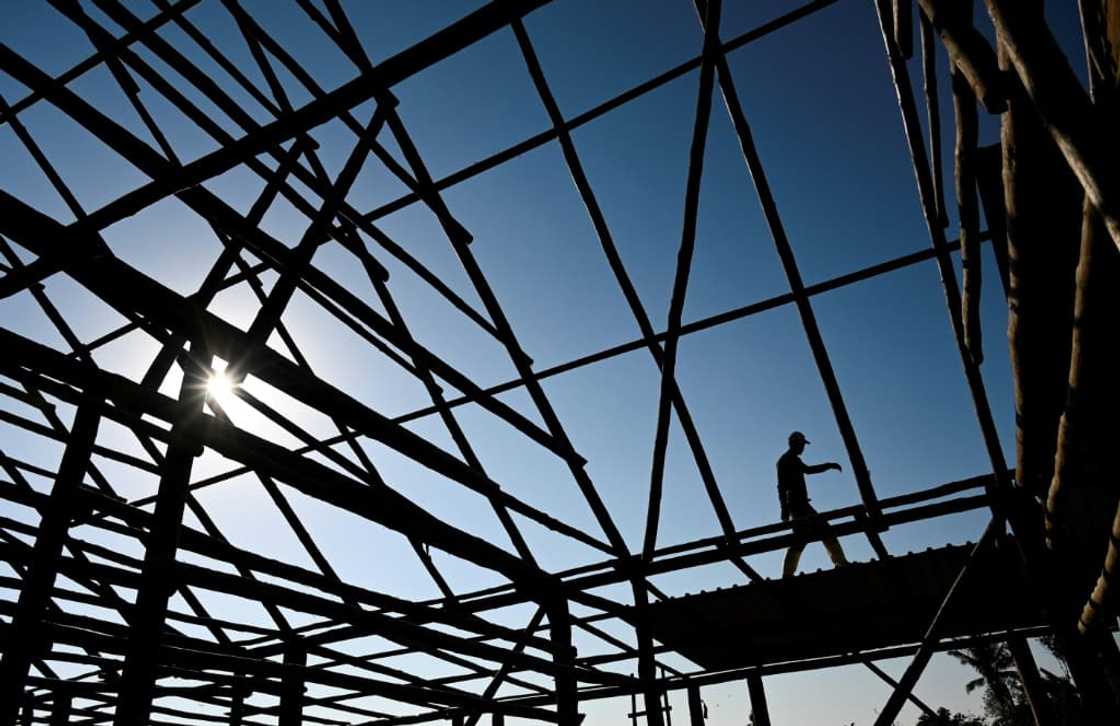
<point x="827" y="126"/>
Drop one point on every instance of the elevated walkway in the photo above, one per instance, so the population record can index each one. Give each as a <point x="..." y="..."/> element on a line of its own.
<point x="835" y="612"/>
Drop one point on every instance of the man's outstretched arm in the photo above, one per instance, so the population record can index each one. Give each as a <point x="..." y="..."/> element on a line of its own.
<point x="819" y="468"/>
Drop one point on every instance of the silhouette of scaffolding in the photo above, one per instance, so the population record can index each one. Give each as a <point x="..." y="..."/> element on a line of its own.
<point x="134" y="654"/>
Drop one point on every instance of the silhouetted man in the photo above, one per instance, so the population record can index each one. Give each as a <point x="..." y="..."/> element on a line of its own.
<point x="795" y="504"/>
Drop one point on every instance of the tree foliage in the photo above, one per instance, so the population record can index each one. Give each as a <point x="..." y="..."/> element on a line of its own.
<point x="944" y="718"/>
<point x="1005" y="701"/>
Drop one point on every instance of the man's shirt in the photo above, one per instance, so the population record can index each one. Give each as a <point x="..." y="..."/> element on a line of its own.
<point x="791" y="483"/>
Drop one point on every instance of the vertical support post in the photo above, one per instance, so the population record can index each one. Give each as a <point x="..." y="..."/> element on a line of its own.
<point x="157" y="582"/>
<point x="60" y="709"/>
<point x="1041" y="708"/>
<point x="695" y="706"/>
<point x="498" y="719"/>
<point x="291" y="684"/>
<point x="567" y="697"/>
<point x="647" y="666"/>
<point x="237" y="706"/>
<point x="760" y="713"/>
<point x="28" y="630"/>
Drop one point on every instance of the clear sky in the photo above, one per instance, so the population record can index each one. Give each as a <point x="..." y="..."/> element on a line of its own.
<point x="825" y="119"/>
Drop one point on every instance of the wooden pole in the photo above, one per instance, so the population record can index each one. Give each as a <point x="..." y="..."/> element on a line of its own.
<point x="1099" y="599"/>
<point x="969" y="52"/>
<point x="292" y="685"/>
<point x="760" y="713"/>
<point x="1033" y="686"/>
<point x="904" y="27"/>
<point x="564" y="653"/>
<point x="681" y="277"/>
<point x="886" y="678"/>
<point x="60" y="709"/>
<point x="931" y="91"/>
<point x="1043" y="211"/>
<point x="964" y="112"/>
<point x="696" y="714"/>
<point x="1082" y="135"/>
<point x="237" y="706"/>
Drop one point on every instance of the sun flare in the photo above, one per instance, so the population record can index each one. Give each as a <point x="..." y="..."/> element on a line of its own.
<point x="220" y="386"/>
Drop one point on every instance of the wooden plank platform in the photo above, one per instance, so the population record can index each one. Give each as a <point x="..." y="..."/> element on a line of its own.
<point x="834" y="612"/>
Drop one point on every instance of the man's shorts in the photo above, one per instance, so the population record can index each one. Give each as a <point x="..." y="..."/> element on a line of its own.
<point x="806" y="524"/>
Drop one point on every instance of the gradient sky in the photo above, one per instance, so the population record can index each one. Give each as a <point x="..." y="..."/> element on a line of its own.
<point x="828" y="130"/>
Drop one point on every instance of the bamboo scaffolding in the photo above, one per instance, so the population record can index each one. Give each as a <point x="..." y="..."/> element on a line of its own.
<point x="123" y="653"/>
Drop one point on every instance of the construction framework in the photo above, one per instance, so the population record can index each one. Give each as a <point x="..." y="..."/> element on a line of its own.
<point x="1057" y="149"/>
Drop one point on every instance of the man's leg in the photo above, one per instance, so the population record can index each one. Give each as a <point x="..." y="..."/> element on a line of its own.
<point x="835" y="551"/>
<point x="793" y="556"/>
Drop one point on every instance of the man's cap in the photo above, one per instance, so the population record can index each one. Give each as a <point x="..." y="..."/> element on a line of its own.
<point x="798" y="436"/>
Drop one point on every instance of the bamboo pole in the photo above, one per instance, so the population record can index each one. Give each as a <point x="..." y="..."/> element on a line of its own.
<point x="60" y="709"/>
<point x="1081" y="134"/>
<point x="696" y="710"/>
<point x="291" y="696"/>
<point x="964" y="113"/>
<point x="1033" y="686"/>
<point x="931" y="92"/>
<point x="904" y="27"/>
<point x="1082" y="495"/>
<point x="969" y="52"/>
<point x="760" y="712"/>
<point x="1043" y="210"/>
<point x="680" y="280"/>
